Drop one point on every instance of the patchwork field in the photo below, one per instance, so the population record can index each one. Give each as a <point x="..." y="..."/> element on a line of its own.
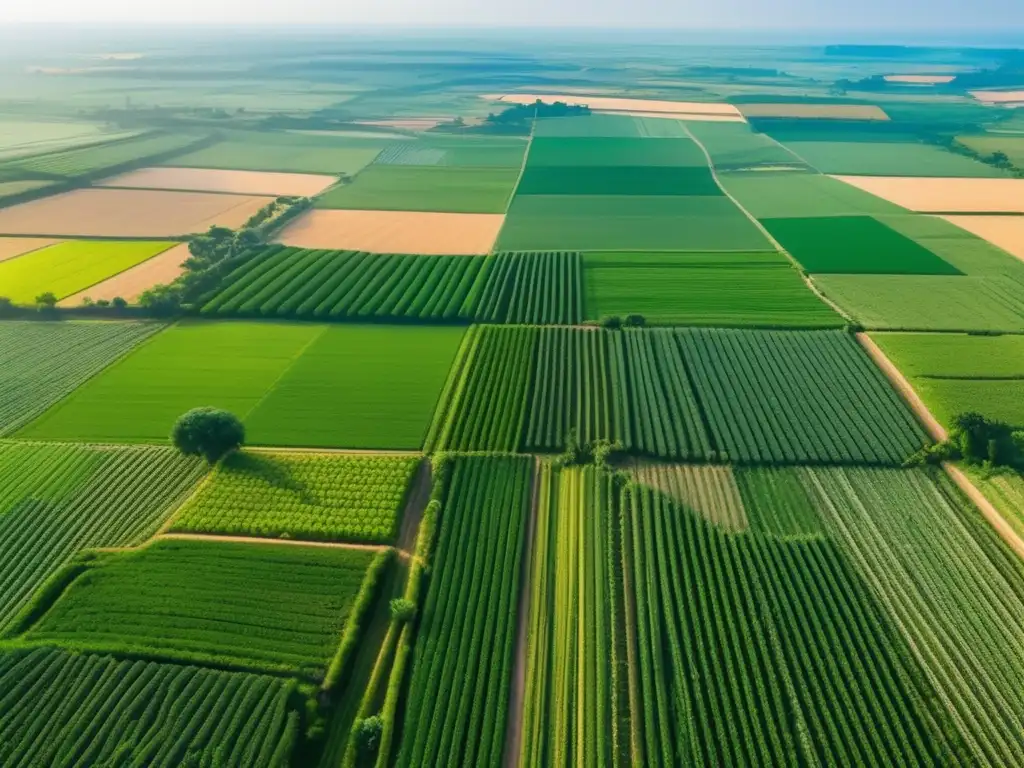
<point x="1010" y="145"/>
<point x="456" y="151"/>
<point x="781" y="194"/>
<point x="734" y="146"/>
<point x="648" y="181"/>
<point x="94" y="160"/>
<point x="896" y="159"/>
<point x="1006" y="232"/>
<point x="233" y="182"/>
<point x="292" y="384"/>
<point x="10" y="247"/>
<point x="827" y="111"/>
<point x="616" y="152"/>
<point x="28" y="137"/>
<point x="134" y="281"/>
<point x="395" y="231"/>
<point x="945" y="195"/>
<point x="301" y="496"/>
<point x="854" y="244"/>
<point x="128" y="213"/>
<point x="530" y="287"/>
<point x="691" y="109"/>
<point x="67" y="268"/>
<point x="716" y="289"/>
<point x="434" y="189"/>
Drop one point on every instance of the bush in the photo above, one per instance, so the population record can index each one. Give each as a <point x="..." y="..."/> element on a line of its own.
<point x="402" y="610"/>
<point x="612" y="322"/>
<point x="976" y="440"/>
<point x="208" y="432"/>
<point x="366" y="733"/>
<point x="635" y="321"/>
<point x="119" y="303"/>
<point x="46" y="300"/>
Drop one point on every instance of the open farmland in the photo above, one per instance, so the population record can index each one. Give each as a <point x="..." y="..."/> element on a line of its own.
<point x="1005" y="489"/>
<point x="1010" y="145"/>
<point x="18" y="189"/>
<point x="395" y="231"/>
<point x="945" y="195"/>
<point x="75" y="707"/>
<point x="31" y="137"/>
<point x="826" y="111"/>
<point x="331" y="285"/>
<point x="458" y="698"/>
<point x="1006" y="232"/>
<point x="304" y="496"/>
<point x="781" y="194"/>
<point x="230" y="182"/>
<point x="12" y="247"/>
<point x="159" y="600"/>
<point x="132" y="282"/>
<point x="734" y="146"/>
<point x="287" y="382"/>
<point x="530" y="287"/>
<point x="456" y="152"/>
<point x="56" y="500"/>
<point x="716" y="289"/>
<point x="889" y="159"/>
<point x="40" y="363"/>
<point x="434" y="189"/>
<point x="69" y="267"/>
<point x="691" y="110"/>
<point x="127" y="213"/>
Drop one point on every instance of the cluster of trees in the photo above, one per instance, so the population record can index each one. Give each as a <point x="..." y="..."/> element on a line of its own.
<point x="615" y="322"/>
<point x="976" y="440"/>
<point x="996" y="159"/>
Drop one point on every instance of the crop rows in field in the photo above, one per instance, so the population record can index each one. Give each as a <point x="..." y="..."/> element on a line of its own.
<point x="538" y="288"/>
<point x="745" y="396"/>
<point x="253" y="606"/>
<point x="298" y="282"/>
<point x="42" y="362"/>
<point x="75" y="709"/>
<point x="458" y="697"/>
<point x="87" y="161"/>
<point x="56" y="500"/>
<point x="305" y="496"/>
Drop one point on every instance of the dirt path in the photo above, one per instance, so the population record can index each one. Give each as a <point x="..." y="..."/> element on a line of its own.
<point x="415" y="504"/>
<point x="517" y="697"/>
<point x="991" y="514"/>
<point x="330" y="451"/>
<point x="257" y="540"/>
<point x="896" y="378"/>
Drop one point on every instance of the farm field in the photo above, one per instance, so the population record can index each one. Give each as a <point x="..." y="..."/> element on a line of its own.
<point x="435" y="189"/>
<point x="826" y="111"/>
<point x="456" y="152"/>
<point x="715" y="289"/>
<point x="65" y="695"/>
<point x="603" y="104"/>
<point x="945" y="195"/>
<point x="12" y="189"/>
<point x="1011" y="146"/>
<point x="301" y="496"/>
<point x="290" y="389"/>
<point x="128" y="213"/>
<point x="530" y="287"/>
<point x="1005" y="489"/>
<point x="12" y="247"/>
<point x="903" y="158"/>
<point x="785" y="194"/>
<point x="28" y="137"/>
<point x="420" y="232"/>
<point x="614" y="152"/>
<point x="1006" y="232"/>
<point x="230" y="182"/>
<point x="132" y="282"/>
<point x="735" y="147"/>
<point x="69" y="267"/>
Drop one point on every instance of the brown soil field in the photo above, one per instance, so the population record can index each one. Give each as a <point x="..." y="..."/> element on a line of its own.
<point x="999" y="97"/>
<point x="945" y="195"/>
<point x="818" y="111"/>
<point x="408" y="123"/>
<point x="920" y="79"/>
<point x="17" y="246"/>
<point x="234" y="182"/>
<point x="1006" y="232"/>
<point x="128" y="213"/>
<point x="130" y="284"/>
<point x="611" y="104"/>
<point x="395" y="231"/>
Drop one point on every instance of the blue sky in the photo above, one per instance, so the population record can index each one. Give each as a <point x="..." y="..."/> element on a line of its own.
<point x="707" y="14"/>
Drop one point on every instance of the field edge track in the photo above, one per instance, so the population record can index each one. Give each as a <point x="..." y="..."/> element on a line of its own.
<point x="986" y="507"/>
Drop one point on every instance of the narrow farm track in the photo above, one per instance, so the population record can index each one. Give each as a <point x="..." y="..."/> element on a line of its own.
<point x="900" y="383"/>
<point x="258" y="540"/>
<point x="331" y="451"/>
<point x="517" y="696"/>
<point x="775" y="243"/>
<point x="415" y="504"/>
<point x="995" y="519"/>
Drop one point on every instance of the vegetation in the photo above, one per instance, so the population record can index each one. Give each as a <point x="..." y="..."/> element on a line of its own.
<point x="540" y="288"/>
<point x="208" y="432"/>
<point x="425" y="188"/>
<point x="977" y="441"/>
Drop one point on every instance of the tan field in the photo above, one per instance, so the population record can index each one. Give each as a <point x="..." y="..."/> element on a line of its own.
<point x="611" y="104"/>
<point x="920" y="79"/>
<point x="999" y="97"/>
<point x="395" y="231"/>
<point x="1006" y="232"/>
<point x="702" y="118"/>
<point x="131" y="283"/>
<point x="819" y="111"/>
<point x="945" y="195"/>
<point x="233" y="182"/>
<point x="408" y="123"/>
<point x="17" y="246"/>
<point x="128" y="213"/>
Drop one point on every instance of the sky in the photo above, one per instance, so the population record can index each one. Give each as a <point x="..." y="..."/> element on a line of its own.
<point x="656" y="14"/>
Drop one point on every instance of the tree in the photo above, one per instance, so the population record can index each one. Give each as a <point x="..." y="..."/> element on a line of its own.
<point x="118" y="303"/>
<point x="367" y="733"/>
<point x="46" y="300"/>
<point x="402" y="609"/>
<point x="208" y="432"/>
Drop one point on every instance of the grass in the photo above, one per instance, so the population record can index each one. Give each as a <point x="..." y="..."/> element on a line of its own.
<point x="1011" y="146"/>
<point x="438" y="189"/>
<point x="648" y="180"/>
<point x="595" y="125"/>
<point x="863" y="158"/>
<point x="727" y="289"/>
<point x="66" y="268"/>
<point x="854" y="245"/>
<point x="92" y="160"/>
<point x="780" y="194"/>
<point x="456" y="152"/>
<point x="999" y="400"/>
<point x="928" y="302"/>
<point x="734" y="146"/>
<point x="598" y="151"/>
<point x="292" y="384"/>
<point x="193" y="600"/>
<point x="628" y="223"/>
<point x="1005" y="489"/>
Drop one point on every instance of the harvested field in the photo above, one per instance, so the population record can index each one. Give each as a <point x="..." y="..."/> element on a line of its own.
<point x="16" y="246"/>
<point x="233" y="182"/>
<point x="395" y="231"/>
<point x="128" y="213"/>
<point x="945" y="195"/>
<point x="920" y="79"/>
<point x="610" y="104"/>
<point x="1006" y="232"/>
<point x="999" y="97"/>
<point x="132" y="283"/>
<point x="820" y="111"/>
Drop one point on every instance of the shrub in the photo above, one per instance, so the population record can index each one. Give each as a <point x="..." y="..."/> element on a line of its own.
<point x="612" y="322"/>
<point x="366" y="733"/>
<point x="208" y="432"/>
<point x="402" y="610"/>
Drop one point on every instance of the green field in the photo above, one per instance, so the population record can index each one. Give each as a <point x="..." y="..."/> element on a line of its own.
<point x="854" y="245"/>
<point x="411" y="188"/>
<point x="66" y="268"/>
<point x="779" y="194"/>
<point x="12" y="188"/>
<point x="301" y="496"/>
<point x="23" y="136"/>
<point x="1009" y="145"/>
<point x="456" y="151"/>
<point x="649" y="180"/>
<point x="965" y="251"/>
<point x="629" y="152"/>
<point x="734" y="146"/>
<point x="530" y="287"/>
<point x="292" y="384"/>
<point x="193" y="601"/>
<point x="1005" y="489"/>
<point x="928" y="302"/>
<point x="863" y="158"/>
<point x="102" y="158"/>
<point x="628" y="223"/>
<point x="589" y="126"/>
<point x="723" y="289"/>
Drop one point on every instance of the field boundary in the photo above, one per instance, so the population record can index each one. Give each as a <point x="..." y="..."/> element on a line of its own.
<point x="226" y="539"/>
<point x="515" y="189"/>
<point x="986" y="507"/>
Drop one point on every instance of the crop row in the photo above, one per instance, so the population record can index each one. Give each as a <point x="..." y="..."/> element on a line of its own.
<point x="85" y="161"/>
<point x="543" y="288"/>
<point x="306" y="496"/>
<point x="458" y="697"/>
<point x="56" y="500"/>
<point x="62" y="710"/>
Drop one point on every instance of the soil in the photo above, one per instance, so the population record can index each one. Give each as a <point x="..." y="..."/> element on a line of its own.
<point x="133" y="282"/>
<point x="230" y="182"/>
<point x="1006" y="232"/>
<point x="19" y="246"/>
<point x="818" y="111"/>
<point x="945" y="195"/>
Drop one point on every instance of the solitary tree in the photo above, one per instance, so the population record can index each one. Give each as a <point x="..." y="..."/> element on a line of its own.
<point x="367" y="733"/>
<point x="208" y="432"/>
<point x="402" y="609"/>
